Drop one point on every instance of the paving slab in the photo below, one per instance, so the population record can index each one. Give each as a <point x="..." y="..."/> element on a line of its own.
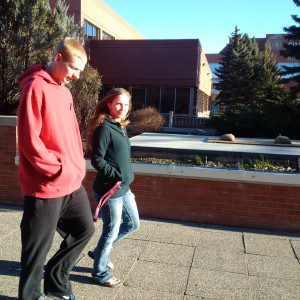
<point x="219" y="260"/>
<point x="272" y="267"/>
<point x="174" y="260"/>
<point x="218" y="232"/>
<point x="85" y="288"/>
<point x="193" y="236"/>
<point x="296" y="248"/>
<point x="146" y="230"/>
<point x="218" y="284"/>
<point x="268" y="247"/>
<point x="159" y="277"/>
<point x="132" y="293"/>
<point x="271" y="288"/>
<point x="266" y="234"/>
<point x="9" y="284"/>
<point x="230" y="245"/>
<point x="11" y="224"/>
<point x="168" y="254"/>
<point x="180" y="235"/>
<point x="196" y="298"/>
<point x="10" y="251"/>
<point x="128" y="248"/>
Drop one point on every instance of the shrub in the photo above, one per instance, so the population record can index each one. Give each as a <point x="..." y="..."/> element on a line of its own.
<point x="146" y="120"/>
<point x="266" y="120"/>
<point x="85" y="92"/>
<point x="198" y="160"/>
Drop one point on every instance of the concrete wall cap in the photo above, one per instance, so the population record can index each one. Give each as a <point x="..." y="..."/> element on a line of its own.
<point x="256" y="177"/>
<point x="8" y="121"/>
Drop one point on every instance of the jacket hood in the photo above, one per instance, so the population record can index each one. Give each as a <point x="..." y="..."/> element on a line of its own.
<point x="36" y="71"/>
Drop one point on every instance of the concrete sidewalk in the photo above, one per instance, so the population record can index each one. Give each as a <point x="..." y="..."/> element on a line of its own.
<point x="175" y="260"/>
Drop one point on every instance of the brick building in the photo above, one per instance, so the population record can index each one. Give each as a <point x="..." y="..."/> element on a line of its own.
<point x="99" y="20"/>
<point x="172" y="75"/>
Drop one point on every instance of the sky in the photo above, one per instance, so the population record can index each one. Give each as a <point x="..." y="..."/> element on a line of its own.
<point x="210" y="21"/>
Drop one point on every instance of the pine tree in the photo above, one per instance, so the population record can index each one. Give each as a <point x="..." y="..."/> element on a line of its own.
<point x="10" y="50"/>
<point x="248" y="77"/>
<point x="237" y="70"/>
<point x="292" y="50"/>
<point x="267" y="79"/>
<point x="29" y="30"/>
<point x="251" y="91"/>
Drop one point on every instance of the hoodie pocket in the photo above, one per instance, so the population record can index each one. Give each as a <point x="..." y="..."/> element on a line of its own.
<point x="65" y="176"/>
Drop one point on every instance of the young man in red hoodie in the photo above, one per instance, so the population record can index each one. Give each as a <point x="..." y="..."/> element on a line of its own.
<point x="51" y="170"/>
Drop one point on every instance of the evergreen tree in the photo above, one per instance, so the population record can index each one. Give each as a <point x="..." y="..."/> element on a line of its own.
<point x="267" y="79"/>
<point x="256" y="103"/>
<point x="10" y="50"/>
<point x="292" y="50"/>
<point x="236" y="71"/>
<point x="29" y="30"/>
<point x="248" y="77"/>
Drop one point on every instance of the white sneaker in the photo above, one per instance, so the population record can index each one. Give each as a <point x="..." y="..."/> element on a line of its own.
<point x="111" y="265"/>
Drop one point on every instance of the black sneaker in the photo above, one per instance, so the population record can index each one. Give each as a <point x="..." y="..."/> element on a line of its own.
<point x="91" y="254"/>
<point x="68" y="297"/>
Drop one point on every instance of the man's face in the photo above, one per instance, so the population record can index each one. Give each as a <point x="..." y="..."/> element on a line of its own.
<point x="68" y="70"/>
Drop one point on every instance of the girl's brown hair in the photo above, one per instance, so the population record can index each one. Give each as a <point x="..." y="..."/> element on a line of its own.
<point x="101" y="112"/>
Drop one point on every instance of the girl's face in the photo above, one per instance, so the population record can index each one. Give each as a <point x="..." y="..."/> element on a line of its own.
<point x="119" y="107"/>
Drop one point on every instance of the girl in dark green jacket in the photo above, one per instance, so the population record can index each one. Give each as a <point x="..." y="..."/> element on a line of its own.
<point x="111" y="158"/>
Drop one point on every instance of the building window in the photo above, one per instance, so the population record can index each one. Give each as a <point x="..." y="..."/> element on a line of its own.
<point x="107" y="36"/>
<point x="91" y="31"/>
<point x="182" y="103"/>
<point x="153" y="96"/>
<point x="138" y="97"/>
<point x="167" y="99"/>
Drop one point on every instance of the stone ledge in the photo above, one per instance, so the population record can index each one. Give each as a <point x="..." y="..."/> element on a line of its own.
<point x="8" y="121"/>
<point x="256" y="177"/>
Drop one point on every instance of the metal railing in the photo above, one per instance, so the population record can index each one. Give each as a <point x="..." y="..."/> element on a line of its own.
<point x="184" y="121"/>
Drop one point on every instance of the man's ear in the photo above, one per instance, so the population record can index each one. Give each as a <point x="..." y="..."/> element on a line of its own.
<point x="58" y="57"/>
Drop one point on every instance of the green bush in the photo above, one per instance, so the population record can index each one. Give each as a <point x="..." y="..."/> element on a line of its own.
<point x="265" y="120"/>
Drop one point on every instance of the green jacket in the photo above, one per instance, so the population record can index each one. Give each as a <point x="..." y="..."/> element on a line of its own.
<point x="111" y="158"/>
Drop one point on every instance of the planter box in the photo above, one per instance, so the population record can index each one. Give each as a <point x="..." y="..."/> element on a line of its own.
<point x="253" y="199"/>
<point x="217" y="196"/>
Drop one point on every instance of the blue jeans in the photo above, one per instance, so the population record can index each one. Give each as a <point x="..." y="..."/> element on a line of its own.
<point x="114" y="230"/>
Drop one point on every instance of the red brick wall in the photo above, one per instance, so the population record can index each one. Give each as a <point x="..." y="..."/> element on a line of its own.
<point x="261" y="206"/>
<point x="219" y="202"/>
<point x="9" y="185"/>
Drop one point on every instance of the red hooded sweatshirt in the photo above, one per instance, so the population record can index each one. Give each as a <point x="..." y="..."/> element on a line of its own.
<point x="51" y="161"/>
